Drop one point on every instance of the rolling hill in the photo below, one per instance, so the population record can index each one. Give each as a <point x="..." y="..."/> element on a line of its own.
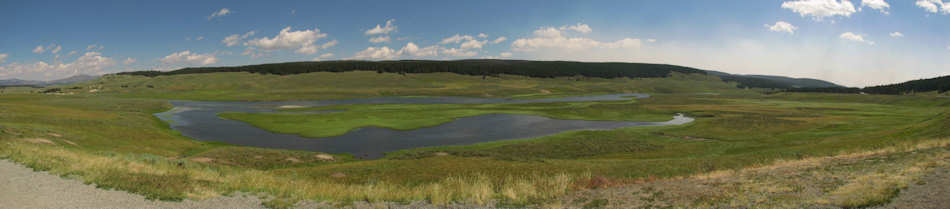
<point x="492" y="67"/>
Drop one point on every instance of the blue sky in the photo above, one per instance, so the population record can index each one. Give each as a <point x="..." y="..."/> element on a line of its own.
<point x="854" y="43"/>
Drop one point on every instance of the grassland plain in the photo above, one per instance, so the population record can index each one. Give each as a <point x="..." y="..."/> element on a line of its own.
<point x="110" y="138"/>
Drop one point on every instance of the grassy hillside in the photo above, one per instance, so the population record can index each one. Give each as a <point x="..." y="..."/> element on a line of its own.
<point x="491" y="67"/>
<point x="329" y="85"/>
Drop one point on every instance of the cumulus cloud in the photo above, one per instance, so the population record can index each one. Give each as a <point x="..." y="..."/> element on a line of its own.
<point x="499" y="40"/>
<point x="456" y="39"/>
<point x="220" y="13"/>
<point x="379" y="39"/>
<point x="505" y="54"/>
<point x="376" y="53"/>
<point x="820" y="9"/>
<point x="187" y="57"/>
<point x="88" y="63"/>
<point x="934" y="6"/>
<point x="39" y="49"/>
<point x="879" y="5"/>
<point x="236" y="39"/>
<point x="410" y="49"/>
<point x="552" y="38"/>
<point x="129" y="61"/>
<point x="3" y="58"/>
<point x="482" y="35"/>
<point x="94" y="47"/>
<point x="414" y="50"/>
<point x="301" y="41"/>
<point x="326" y="55"/>
<point x="328" y="44"/>
<point x="52" y="48"/>
<point x="582" y="28"/>
<point x="457" y="52"/>
<point x="855" y="37"/>
<point x="782" y="26"/>
<point x="390" y="27"/>
<point x="897" y="35"/>
<point x="56" y="50"/>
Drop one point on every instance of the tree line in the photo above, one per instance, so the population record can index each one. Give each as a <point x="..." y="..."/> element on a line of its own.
<point x="541" y="69"/>
<point x="938" y="84"/>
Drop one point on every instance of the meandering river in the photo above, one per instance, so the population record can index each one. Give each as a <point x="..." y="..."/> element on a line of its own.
<point x="199" y="120"/>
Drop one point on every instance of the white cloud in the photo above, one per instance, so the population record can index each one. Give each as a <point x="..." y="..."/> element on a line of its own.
<point x="505" y="54"/>
<point x="855" y="37"/>
<point x="820" y="9"/>
<point x="236" y="39"/>
<point x="879" y="5"/>
<point x="456" y="39"/>
<point x="897" y="35"/>
<point x="186" y="57"/>
<point x="376" y="53"/>
<point x="328" y="44"/>
<point x="551" y="38"/>
<point x="473" y="44"/>
<point x="414" y="50"/>
<point x="933" y="6"/>
<point x="200" y="38"/>
<point x="323" y="56"/>
<point x="3" y="58"/>
<point x="71" y="53"/>
<point x="302" y="40"/>
<point x="482" y="35"/>
<point x="220" y="13"/>
<point x="651" y="40"/>
<point x="39" y="49"/>
<point x="94" y="47"/>
<point x="129" y="61"/>
<point x="582" y="28"/>
<point x="782" y="26"/>
<point x="379" y="39"/>
<point x="458" y="52"/>
<point x="499" y="40"/>
<point x="52" y="48"/>
<point x="383" y="29"/>
<point x="88" y="63"/>
<point x="56" y="50"/>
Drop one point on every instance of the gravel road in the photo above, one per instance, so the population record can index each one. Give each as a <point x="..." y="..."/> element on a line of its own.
<point x="23" y="188"/>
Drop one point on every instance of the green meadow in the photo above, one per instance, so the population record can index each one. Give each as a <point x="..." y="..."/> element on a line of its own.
<point x="103" y="132"/>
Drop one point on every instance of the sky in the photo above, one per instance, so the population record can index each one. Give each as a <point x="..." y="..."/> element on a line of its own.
<point x="853" y="43"/>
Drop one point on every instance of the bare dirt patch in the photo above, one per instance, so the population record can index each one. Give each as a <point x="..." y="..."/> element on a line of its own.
<point x="202" y="160"/>
<point x="324" y="157"/>
<point x="39" y="141"/>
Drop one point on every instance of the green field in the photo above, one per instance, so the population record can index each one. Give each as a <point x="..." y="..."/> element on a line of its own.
<point x="103" y="132"/>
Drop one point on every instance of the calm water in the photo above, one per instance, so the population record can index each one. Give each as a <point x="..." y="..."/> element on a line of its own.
<point x="199" y="120"/>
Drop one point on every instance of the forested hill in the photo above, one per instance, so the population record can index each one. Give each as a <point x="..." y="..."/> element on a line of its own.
<point x="544" y="69"/>
<point x="938" y="84"/>
<point x="490" y="67"/>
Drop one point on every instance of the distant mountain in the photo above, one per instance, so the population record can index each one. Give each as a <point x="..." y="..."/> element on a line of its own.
<point x="64" y="81"/>
<point x="773" y="82"/>
<point x="18" y="82"/>
<point x="72" y="80"/>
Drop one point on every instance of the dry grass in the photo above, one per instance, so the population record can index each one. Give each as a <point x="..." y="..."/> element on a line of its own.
<point x="848" y="180"/>
<point x="198" y="179"/>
